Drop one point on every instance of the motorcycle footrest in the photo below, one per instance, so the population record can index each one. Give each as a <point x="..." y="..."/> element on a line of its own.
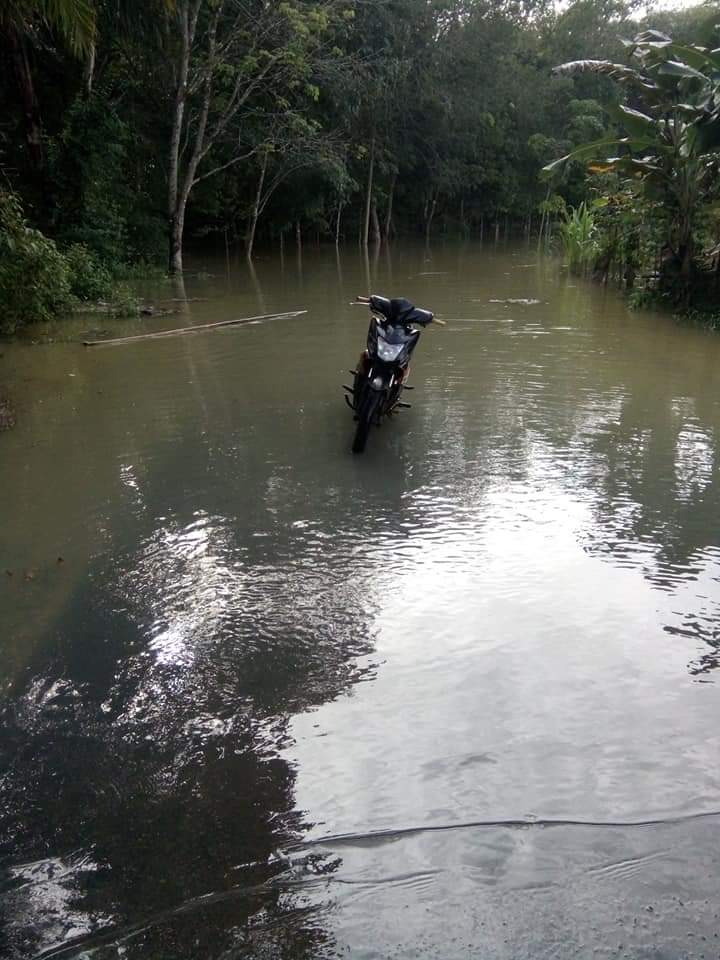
<point x="407" y="387"/>
<point x="400" y="403"/>
<point x="349" y="389"/>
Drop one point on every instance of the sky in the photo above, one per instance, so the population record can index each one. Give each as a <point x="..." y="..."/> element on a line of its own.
<point x="674" y="4"/>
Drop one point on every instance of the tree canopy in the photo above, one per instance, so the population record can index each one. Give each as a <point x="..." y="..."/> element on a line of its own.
<point x="138" y="129"/>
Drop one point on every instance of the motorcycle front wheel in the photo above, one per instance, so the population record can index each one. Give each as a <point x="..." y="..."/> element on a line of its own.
<point x="366" y="414"/>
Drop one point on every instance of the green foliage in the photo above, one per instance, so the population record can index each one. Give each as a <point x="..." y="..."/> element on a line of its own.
<point x="84" y="161"/>
<point x="670" y="140"/>
<point x="456" y="98"/>
<point x="629" y="233"/>
<point x="708" y="319"/>
<point x="39" y="283"/>
<point x="553" y="203"/>
<point x="587" y="121"/>
<point x="125" y="304"/>
<point x="579" y="237"/>
<point x="642" y="297"/>
<point x="89" y="278"/>
<point x="97" y="203"/>
<point x="141" y="270"/>
<point x="73" y="20"/>
<point x="34" y="276"/>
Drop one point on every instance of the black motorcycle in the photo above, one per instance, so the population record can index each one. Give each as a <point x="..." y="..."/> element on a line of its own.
<point x="379" y="379"/>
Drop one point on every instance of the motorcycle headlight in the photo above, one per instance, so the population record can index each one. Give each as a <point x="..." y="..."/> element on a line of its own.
<point x="389" y="351"/>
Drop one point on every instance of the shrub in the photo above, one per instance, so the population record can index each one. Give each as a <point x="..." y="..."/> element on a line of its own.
<point x="34" y="276"/>
<point x="89" y="278"/>
<point x="124" y="304"/>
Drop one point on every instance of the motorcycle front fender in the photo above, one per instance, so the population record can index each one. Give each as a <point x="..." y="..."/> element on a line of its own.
<point x="380" y="380"/>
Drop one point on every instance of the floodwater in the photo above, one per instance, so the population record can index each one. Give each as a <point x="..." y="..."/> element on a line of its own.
<point x="455" y="697"/>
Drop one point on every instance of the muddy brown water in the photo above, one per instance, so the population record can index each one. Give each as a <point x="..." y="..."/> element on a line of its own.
<point x="453" y="698"/>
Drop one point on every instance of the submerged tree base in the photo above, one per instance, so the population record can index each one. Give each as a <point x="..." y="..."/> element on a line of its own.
<point x="698" y="301"/>
<point x="7" y="413"/>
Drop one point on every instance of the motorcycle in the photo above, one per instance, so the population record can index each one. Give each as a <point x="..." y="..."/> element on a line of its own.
<point x="380" y="377"/>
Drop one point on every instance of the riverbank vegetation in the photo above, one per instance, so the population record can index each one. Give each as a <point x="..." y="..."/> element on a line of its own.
<point x="658" y="192"/>
<point x="135" y="130"/>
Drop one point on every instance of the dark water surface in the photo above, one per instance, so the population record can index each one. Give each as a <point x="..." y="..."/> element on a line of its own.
<point x="453" y="698"/>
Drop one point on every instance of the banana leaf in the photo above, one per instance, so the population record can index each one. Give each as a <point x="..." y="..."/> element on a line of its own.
<point x="674" y="68"/>
<point x="636" y="123"/>
<point x="652" y="36"/>
<point x="694" y="56"/>
<point x="590" y="151"/>
<point x="618" y="71"/>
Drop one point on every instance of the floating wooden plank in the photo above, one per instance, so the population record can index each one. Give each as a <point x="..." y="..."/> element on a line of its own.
<point x="199" y="328"/>
<point x="184" y="300"/>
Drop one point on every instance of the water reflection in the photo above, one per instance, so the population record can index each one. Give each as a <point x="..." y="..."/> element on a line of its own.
<point x="157" y="732"/>
<point x="254" y="638"/>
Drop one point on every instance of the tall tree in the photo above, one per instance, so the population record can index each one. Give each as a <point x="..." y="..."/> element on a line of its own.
<point x="226" y="55"/>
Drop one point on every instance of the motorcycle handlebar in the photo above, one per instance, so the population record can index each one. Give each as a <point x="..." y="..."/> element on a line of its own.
<point x="359" y="299"/>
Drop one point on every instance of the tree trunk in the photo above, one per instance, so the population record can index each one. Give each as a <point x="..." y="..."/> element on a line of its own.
<point x="542" y="228"/>
<point x="430" y="215"/>
<point x="388" y="214"/>
<point x="177" y="225"/>
<point x="337" y="224"/>
<point x="188" y="13"/>
<point x="176" y="217"/>
<point x="30" y="106"/>
<point x="601" y="267"/>
<point x="686" y="260"/>
<point x="629" y="275"/>
<point x="686" y="257"/>
<point x="252" y="227"/>
<point x="368" y="198"/>
<point x="298" y="242"/>
<point x="89" y="71"/>
<point x="375" y="224"/>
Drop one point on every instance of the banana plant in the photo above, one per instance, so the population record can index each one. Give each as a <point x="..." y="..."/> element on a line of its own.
<point x="670" y="136"/>
<point x="578" y="235"/>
